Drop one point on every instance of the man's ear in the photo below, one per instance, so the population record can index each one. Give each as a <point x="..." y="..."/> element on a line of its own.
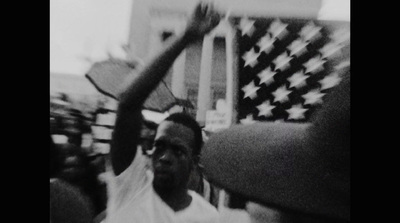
<point x="196" y="159"/>
<point x="194" y="162"/>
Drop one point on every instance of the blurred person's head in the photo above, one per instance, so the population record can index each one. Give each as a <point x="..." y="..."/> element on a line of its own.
<point x="147" y="135"/>
<point x="177" y="146"/>
<point x="74" y="163"/>
<point x="288" y="172"/>
<point x="68" y="204"/>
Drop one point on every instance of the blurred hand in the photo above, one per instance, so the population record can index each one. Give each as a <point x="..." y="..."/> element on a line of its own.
<point x="203" y="20"/>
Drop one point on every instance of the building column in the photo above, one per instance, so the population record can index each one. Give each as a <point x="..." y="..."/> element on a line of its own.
<point x="231" y="87"/>
<point x="178" y="77"/>
<point x="139" y="29"/>
<point x="155" y="43"/>
<point x="203" y="98"/>
<point x="178" y="69"/>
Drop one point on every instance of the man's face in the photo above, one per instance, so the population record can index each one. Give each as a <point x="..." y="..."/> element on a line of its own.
<point x="172" y="157"/>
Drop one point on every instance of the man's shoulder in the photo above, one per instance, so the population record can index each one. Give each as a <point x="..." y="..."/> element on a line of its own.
<point x="200" y="203"/>
<point x="199" y="210"/>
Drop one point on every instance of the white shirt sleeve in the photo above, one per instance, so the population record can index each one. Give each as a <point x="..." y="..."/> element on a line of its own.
<point x="128" y="184"/>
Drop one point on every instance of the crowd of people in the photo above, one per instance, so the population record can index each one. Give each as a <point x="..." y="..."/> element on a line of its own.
<point x="277" y="172"/>
<point x="73" y="165"/>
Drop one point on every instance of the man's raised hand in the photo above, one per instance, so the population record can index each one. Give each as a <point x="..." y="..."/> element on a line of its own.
<point x="203" y="20"/>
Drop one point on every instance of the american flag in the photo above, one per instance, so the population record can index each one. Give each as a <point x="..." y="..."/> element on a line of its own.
<point x="287" y="66"/>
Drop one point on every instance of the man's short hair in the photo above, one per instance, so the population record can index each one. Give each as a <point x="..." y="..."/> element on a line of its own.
<point x="188" y="121"/>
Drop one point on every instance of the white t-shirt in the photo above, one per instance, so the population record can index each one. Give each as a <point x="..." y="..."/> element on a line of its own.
<point x="133" y="199"/>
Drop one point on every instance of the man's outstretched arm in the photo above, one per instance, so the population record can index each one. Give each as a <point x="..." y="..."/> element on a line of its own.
<point x="129" y="118"/>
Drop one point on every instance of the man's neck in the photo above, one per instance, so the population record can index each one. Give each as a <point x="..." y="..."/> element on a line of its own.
<point x="195" y="181"/>
<point x="177" y="199"/>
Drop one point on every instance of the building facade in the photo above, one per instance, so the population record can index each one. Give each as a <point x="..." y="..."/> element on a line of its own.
<point x="204" y="72"/>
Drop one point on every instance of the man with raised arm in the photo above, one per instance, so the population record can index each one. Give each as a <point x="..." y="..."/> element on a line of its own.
<point x="159" y="192"/>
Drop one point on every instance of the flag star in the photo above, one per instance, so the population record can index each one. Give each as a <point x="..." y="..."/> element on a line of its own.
<point x="266" y="43"/>
<point x="265" y="109"/>
<point x="340" y="36"/>
<point x="314" y="65"/>
<point x="330" y="81"/>
<point x="342" y="65"/>
<point x="329" y="49"/>
<point x="281" y="94"/>
<point x="250" y="90"/>
<point x="296" y="112"/>
<point x="297" y="47"/>
<point x="266" y="76"/>
<point x="250" y="58"/>
<point x="297" y="80"/>
<point x="313" y="97"/>
<point x="278" y="29"/>
<point x="310" y="32"/>
<point x="247" y="26"/>
<point x="248" y="120"/>
<point x="281" y="62"/>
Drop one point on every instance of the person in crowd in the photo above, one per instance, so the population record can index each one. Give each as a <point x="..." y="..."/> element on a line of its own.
<point x="78" y="170"/>
<point x="67" y="203"/>
<point x="158" y="192"/>
<point x="197" y="181"/>
<point x="286" y="172"/>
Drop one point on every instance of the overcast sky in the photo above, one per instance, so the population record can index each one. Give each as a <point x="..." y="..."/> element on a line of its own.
<point x="86" y="28"/>
<point x="82" y="29"/>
